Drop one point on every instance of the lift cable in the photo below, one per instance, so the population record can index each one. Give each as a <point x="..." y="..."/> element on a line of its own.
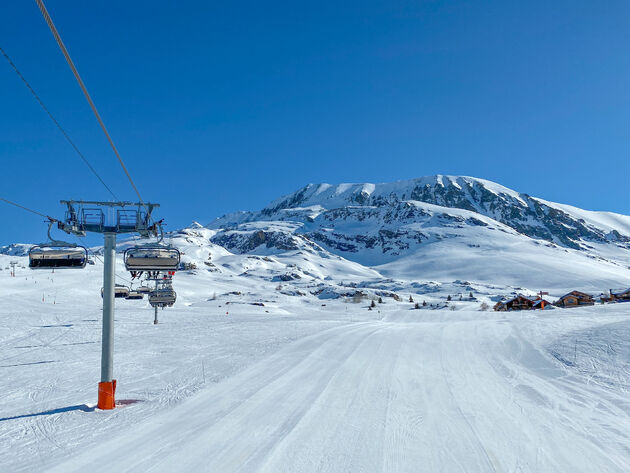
<point x="29" y="210"/>
<point x="63" y="132"/>
<point x="102" y="262"/>
<point x="49" y="21"/>
<point x="117" y="274"/>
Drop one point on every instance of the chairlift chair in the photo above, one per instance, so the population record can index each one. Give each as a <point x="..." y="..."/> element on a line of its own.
<point x="163" y="297"/>
<point x="120" y="292"/>
<point x="57" y="254"/>
<point x="134" y="295"/>
<point x="151" y="258"/>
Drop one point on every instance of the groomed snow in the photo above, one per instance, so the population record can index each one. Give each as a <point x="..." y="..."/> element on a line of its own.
<point x="221" y="385"/>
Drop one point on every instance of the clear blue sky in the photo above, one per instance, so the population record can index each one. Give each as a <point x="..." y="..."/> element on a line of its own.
<point x="222" y="106"/>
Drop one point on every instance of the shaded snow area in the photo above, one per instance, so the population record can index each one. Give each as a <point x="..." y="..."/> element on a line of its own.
<point x="249" y="372"/>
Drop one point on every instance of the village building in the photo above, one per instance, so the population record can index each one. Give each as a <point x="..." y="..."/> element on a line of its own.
<point x="575" y="299"/>
<point x="539" y="303"/>
<point x="623" y="295"/>
<point x="521" y="302"/>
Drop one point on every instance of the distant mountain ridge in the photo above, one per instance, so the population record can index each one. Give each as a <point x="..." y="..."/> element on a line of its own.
<point x="536" y="218"/>
<point x="15" y="249"/>
<point x="444" y="229"/>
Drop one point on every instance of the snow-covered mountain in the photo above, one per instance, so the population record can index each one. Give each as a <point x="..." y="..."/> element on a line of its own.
<point x="15" y="249"/>
<point x="441" y="227"/>
<point x="425" y="231"/>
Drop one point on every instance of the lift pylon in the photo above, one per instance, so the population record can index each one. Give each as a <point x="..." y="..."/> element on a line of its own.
<point x="122" y="217"/>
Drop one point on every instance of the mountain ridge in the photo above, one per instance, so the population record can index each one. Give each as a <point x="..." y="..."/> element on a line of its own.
<point x="534" y="217"/>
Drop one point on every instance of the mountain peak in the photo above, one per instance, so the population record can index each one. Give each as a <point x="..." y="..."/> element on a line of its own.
<point x="340" y="195"/>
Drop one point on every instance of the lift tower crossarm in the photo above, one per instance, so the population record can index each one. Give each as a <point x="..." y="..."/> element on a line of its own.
<point x="80" y="219"/>
<point x="109" y="204"/>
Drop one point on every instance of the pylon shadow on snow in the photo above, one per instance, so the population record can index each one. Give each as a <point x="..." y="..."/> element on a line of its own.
<point x="78" y="407"/>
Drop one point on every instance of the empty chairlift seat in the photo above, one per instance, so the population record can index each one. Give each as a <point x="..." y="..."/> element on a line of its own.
<point x="120" y="292"/>
<point x="152" y="259"/>
<point x="164" y="297"/>
<point x="54" y="256"/>
<point x="134" y="295"/>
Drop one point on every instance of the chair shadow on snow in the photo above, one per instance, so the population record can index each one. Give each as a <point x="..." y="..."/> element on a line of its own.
<point x="78" y="407"/>
<point x="126" y="402"/>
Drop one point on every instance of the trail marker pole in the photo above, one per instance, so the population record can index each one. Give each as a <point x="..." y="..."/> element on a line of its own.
<point x="155" y="318"/>
<point x="542" y="301"/>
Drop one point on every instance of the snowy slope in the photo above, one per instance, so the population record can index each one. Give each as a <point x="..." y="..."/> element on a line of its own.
<point x="297" y="386"/>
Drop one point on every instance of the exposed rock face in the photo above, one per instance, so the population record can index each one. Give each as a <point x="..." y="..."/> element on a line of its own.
<point x="246" y="239"/>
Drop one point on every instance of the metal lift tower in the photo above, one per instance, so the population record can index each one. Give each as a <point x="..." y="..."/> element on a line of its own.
<point x="120" y="217"/>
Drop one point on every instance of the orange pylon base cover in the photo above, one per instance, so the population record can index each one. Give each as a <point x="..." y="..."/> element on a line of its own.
<point x="106" y="395"/>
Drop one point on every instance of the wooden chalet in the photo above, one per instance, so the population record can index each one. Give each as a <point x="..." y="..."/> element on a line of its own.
<point x="539" y="303"/>
<point x="521" y="302"/>
<point x="623" y="295"/>
<point x="575" y="299"/>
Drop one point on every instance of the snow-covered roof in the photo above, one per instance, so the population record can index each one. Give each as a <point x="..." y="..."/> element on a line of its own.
<point x="575" y="293"/>
<point x="519" y="296"/>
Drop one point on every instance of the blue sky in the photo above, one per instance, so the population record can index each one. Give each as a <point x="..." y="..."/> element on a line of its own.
<point x="223" y="106"/>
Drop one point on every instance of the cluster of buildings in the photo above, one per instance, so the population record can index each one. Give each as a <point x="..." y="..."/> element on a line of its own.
<point x="572" y="299"/>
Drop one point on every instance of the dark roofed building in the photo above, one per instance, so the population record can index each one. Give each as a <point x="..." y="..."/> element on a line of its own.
<point x="521" y="302"/>
<point x="574" y="299"/>
<point x="623" y="295"/>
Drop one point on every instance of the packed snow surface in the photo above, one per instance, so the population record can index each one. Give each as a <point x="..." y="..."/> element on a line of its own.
<point x="302" y="383"/>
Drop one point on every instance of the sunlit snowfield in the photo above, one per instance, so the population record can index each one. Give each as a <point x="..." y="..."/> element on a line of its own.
<point x="297" y="386"/>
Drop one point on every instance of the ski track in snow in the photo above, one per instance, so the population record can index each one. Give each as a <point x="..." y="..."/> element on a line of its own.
<point x="403" y="394"/>
<point x="295" y="386"/>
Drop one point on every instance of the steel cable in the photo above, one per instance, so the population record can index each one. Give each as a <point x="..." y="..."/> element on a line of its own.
<point x="51" y="25"/>
<point x="29" y="210"/>
<point x="63" y="132"/>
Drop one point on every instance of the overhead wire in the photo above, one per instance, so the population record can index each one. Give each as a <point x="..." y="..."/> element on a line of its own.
<point x="102" y="262"/>
<point x="54" y="120"/>
<point x="55" y="33"/>
<point x="29" y="210"/>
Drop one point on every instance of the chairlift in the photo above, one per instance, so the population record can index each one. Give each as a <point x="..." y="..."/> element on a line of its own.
<point x="144" y="289"/>
<point x="57" y="254"/>
<point x="152" y="258"/>
<point x="162" y="297"/>
<point x="134" y="295"/>
<point x="120" y="292"/>
<point x="156" y="257"/>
